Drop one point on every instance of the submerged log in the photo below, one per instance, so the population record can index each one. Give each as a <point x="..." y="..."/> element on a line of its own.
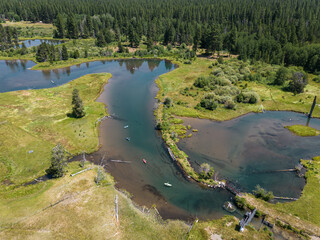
<point x="312" y="107"/>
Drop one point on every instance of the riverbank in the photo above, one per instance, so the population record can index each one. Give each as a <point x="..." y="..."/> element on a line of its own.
<point x="172" y="76"/>
<point x="303" y="213"/>
<point x="77" y="208"/>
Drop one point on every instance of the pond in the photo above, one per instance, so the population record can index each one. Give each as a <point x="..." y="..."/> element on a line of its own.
<point x="37" y="42"/>
<point x="244" y="149"/>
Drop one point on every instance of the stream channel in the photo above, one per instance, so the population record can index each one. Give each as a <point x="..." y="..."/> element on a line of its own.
<point x="247" y="150"/>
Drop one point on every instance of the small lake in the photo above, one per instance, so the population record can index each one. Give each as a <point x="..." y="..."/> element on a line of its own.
<point x="37" y="42"/>
<point x="244" y="150"/>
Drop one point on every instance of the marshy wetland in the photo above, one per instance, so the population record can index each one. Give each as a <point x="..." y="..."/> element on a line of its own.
<point x="247" y="150"/>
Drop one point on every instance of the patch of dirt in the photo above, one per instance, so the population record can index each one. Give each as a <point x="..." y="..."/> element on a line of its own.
<point x="215" y="237"/>
<point x="7" y="182"/>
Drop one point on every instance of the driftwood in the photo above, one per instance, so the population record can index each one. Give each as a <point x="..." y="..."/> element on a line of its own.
<point x="120" y="161"/>
<point x="84" y="170"/>
<point x="116" y="208"/>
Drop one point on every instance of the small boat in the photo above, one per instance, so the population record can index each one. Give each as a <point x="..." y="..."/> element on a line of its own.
<point x="126" y="126"/>
<point x="52" y="81"/>
<point x="228" y="206"/>
<point x="128" y="139"/>
<point x="168" y="184"/>
<point x="144" y="161"/>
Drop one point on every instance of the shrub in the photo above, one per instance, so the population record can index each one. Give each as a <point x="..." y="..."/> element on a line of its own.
<point x="281" y="76"/>
<point x="226" y="90"/>
<point x="206" y="171"/>
<point x="260" y="192"/>
<point x="317" y="79"/>
<point x="240" y="202"/>
<point x="298" y="82"/>
<point x="244" y="70"/>
<point x="201" y="82"/>
<point x="233" y="79"/>
<point x="217" y="71"/>
<point x="222" y="81"/>
<point x="230" y="104"/>
<point x="247" y="97"/>
<point x="168" y="102"/>
<point x="220" y="60"/>
<point x="209" y="104"/>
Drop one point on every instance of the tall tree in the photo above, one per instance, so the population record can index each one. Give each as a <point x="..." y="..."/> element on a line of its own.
<point x="59" y="33"/>
<point x="77" y="109"/>
<point x="72" y="27"/>
<point x="64" y="54"/>
<point x="58" y="162"/>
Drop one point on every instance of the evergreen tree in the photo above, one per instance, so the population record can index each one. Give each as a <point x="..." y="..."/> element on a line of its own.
<point x="24" y="49"/>
<point x="58" y="162"/>
<point x="133" y="37"/>
<point x="60" y="27"/>
<point x="77" y="109"/>
<point x="76" y="54"/>
<point x="72" y="28"/>
<point x="64" y="54"/>
<point x="100" y="42"/>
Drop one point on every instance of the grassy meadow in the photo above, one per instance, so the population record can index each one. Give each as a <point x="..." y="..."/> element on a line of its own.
<point x="36" y="120"/>
<point x="29" y="30"/>
<point x="77" y="208"/>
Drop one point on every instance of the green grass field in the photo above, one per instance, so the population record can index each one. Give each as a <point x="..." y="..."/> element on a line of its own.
<point x="28" y="30"/>
<point x="37" y="120"/>
<point x="77" y="208"/>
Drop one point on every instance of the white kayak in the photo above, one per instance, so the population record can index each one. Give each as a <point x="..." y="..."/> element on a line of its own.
<point x="168" y="184"/>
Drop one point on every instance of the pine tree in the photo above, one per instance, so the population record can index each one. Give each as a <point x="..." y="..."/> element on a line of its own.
<point x="100" y="42"/>
<point x="77" y="109"/>
<point x="58" y="162"/>
<point x="72" y="27"/>
<point x="60" y="27"/>
<point x="64" y="53"/>
<point x="24" y="49"/>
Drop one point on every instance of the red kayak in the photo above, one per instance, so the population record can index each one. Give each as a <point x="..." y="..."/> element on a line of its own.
<point x="144" y="161"/>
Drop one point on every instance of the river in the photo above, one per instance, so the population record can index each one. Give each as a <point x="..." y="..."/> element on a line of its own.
<point x="243" y="150"/>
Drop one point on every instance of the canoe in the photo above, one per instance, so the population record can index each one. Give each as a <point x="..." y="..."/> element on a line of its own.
<point x="144" y="161"/>
<point x="168" y="184"/>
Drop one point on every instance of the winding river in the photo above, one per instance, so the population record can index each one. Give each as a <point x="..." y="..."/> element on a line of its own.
<point x="247" y="150"/>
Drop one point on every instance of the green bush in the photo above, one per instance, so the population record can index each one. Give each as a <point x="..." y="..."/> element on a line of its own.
<point x="260" y="192"/>
<point x="316" y="79"/>
<point x="230" y="104"/>
<point x="247" y="97"/>
<point x="209" y="104"/>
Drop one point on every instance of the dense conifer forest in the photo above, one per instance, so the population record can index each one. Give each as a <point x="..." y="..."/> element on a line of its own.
<point x="274" y="31"/>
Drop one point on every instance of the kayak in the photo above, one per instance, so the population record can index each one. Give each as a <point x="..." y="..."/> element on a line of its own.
<point x="126" y="126"/>
<point x="128" y="139"/>
<point x="144" y="161"/>
<point x="168" y="184"/>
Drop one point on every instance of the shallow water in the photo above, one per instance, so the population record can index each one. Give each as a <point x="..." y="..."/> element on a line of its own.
<point x="250" y="143"/>
<point x="251" y="149"/>
<point x="37" y="42"/>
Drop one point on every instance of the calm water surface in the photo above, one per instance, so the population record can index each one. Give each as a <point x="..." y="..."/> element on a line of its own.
<point x="246" y="150"/>
<point x="37" y="42"/>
